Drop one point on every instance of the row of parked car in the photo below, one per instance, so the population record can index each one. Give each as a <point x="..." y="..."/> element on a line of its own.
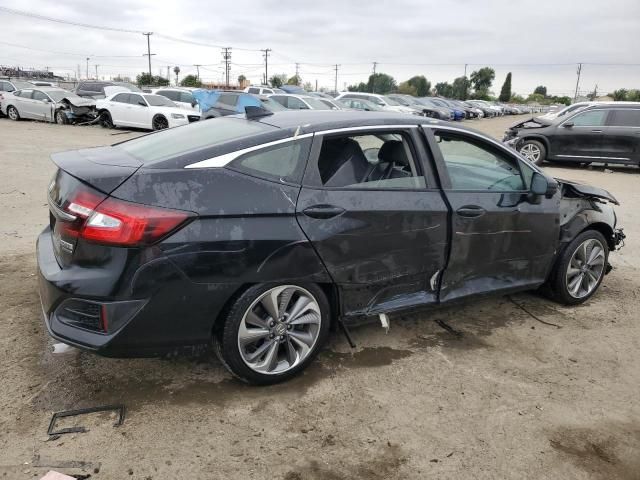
<point x="124" y="104"/>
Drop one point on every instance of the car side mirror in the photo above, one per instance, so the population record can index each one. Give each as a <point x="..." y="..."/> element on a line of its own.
<point x="567" y="124"/>
<point x="541" y="185"/>
<point x="141" y="103"/>
<point x="46" y="100"/>
<point x="194" y="103"/>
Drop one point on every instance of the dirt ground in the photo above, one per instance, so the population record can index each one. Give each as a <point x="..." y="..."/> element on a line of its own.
<point x="513" y="398"/>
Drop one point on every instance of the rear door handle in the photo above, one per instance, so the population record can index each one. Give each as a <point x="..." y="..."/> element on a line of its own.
<point x="323" y="211"/>
<point x="596" y="131"/>
<point x="471" y="211"/>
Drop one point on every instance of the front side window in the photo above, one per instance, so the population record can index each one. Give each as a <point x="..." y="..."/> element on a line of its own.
<point x="475" y="165"/>
<point x="185" y="97"/>
<point x="296" y="104"/>
<point x="157" y="100"/>
<point x="282" y="163"/>
<point x="381" y="160"/>
<point x="593" y="118"/>
<point x="136" y="100"/>
<point x="254" y="90"/>
<point x="121" y="98"/>
<point x="625" y="118"/>
<point x="25" y="93"/>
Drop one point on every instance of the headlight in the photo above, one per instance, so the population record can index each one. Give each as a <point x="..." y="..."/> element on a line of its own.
<point x="177" y="115"/>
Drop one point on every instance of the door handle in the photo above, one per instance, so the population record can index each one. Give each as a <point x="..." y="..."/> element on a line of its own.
<point x="323" y="211"/>
<point x="471" y="211"/>
<point x="596" y="131"/>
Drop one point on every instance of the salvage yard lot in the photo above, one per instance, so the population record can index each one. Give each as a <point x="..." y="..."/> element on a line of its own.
<point x="513" y="398"/>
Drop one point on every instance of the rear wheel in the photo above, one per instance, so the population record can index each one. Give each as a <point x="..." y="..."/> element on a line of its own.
<point x="533" y="151"/>
<point x="579" y="269"/>
<point x="272" y="332"/>
<point x="159" y="123"/>
<point x="12" y="113"/>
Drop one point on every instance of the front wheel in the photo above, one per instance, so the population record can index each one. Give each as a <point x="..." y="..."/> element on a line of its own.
<point x="159" y="123"/>
<point x="12" y="113"/>
<point x="533" y="151"/>
<point x="272" y="332"/>
<point x="61" y="118"/>
<point x="579" y="269"/>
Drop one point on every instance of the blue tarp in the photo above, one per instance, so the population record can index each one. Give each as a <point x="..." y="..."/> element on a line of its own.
<point x="208" y="98"/>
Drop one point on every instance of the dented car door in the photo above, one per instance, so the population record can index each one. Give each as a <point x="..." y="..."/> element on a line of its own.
<point x="502" y="238"/>
<point x="375" y="217"/>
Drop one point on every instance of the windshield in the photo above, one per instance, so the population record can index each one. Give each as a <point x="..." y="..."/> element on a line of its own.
<point x="57" y="95"/>
<point x="159" y="101"/>
<point x="174" y="142"/>
<point x="401" y="101"/>
<point x="391" y="102"/>
<point x="19" y="84"/>
<point x="316" y="104"/>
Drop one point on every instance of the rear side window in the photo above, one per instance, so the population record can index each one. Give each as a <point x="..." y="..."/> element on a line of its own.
<point x="38" y="95"/>
<point x="173" y="142"/>
<point x="121" y="98"/>
<point x="185" y="97"/>
<point x="282" y="163"/>
<point x="254" y="90"/>
<point x="169" y="94"/>
<point x="625" y="118"/>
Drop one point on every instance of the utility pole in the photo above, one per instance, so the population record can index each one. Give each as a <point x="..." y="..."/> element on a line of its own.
<point x="168" y="74"/>
<point x="148" y="54"/>
<point x="297" y="70"/>
<point x="373" y="83"/>
<point x="595" y="93"/>
<point x="87" y="68"/>
<point x="198" y="69"/>
<point x="266" y="64"/>
<point x="465" y="70"/>
<point x="336" y="82"/>
<point x="96" y="65"/>
<point x="226" y="55"/>
<point x="316" y="85"/>
<point x="575" y="96"/>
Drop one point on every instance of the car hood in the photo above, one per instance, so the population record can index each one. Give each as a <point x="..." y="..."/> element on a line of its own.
<point x="574" y="189"/>
<point x="537" y="122"/>
<point x="79" y="101"/>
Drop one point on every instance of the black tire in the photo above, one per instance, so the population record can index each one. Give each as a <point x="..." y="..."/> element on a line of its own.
<point x="105" y="119"/>
<point x="557" y="287"/>
<point x="61" y="118"/>
<point x="159" y="122"/>
<point x="528" y="149"/>
<point x="226" y="338"/>
<point x="12" y="113"/>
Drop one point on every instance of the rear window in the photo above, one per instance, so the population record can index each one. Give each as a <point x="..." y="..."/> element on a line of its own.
<point x="174" y="142"/>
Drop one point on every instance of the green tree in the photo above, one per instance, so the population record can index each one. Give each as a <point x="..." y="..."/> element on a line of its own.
<point x="541" y="90"/>
<point x="191" y="81"/>
<point x="381" y="83"/>
<point x="536" y="98"/>
<point x="295" y="80"/>
<point x="278" y="80"/>
<point x="563" y="100"/>
<point x="407" y="89"/>
<point x="360" y="87"/>
<point x="420" y="84"/>
<point x="482" y="80"/>
<point x="633" y="96"/>
<point x="308" y="86"/>
<point x="620" y="95"/>
<point x="146" y="79"/>
<point x="460" y="88"/>
<point x="505" y="92"/>
<point x="444" y="89"/>
<point x="241" y="79"/>
<point x="515" y="98"/>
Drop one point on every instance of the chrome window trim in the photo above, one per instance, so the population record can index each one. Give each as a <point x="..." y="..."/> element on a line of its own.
<point x="225" y="159"/>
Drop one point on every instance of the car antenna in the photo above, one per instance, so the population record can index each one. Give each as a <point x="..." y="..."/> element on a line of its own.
<point x="256" y="112"/>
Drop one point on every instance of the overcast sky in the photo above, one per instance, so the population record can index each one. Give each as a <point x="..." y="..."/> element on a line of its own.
<point x="406" y="37"/>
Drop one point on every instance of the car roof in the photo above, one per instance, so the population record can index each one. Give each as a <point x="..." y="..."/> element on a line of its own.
<point x="609" y="105"/>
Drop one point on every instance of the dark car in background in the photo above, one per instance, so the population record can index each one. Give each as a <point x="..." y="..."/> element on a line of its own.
<point x="95" y="88"/>
<point x="604" y="133"/>
<point x="257" y="232"/>
<point x="428" y="110"/>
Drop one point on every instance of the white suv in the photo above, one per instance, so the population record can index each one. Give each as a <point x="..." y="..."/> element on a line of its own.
<point x="180" y="96"/>
<point x="262" y="90"/>
<point x="382" y="101"/>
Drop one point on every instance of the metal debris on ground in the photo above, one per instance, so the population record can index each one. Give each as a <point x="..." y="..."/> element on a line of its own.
<point x="83" y="411"/>
<point x="449" y="328"/>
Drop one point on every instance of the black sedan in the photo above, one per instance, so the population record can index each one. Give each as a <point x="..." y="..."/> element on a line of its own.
<point x="256" y="233"/>
<point x="603" y="133"/>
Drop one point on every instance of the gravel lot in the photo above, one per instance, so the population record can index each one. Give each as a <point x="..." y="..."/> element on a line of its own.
<point x="514" y="398"/>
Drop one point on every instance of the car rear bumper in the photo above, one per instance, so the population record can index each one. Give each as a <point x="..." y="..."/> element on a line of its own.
<point x="175" y="312"/>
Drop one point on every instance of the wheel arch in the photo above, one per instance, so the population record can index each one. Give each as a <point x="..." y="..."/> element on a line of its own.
<point x="539" y="138"/>
<point x="605" y="229"/>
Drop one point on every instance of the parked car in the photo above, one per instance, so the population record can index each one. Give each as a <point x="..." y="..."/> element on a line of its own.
<point x="182" y="97"/>
<point x="566" y="110"/>
<point x="458" y="113"/>
<point x="262" y="90"/>
<point x="383" y="101"/>
<point x="96" y="89"/>
<point x="446" y="110"/>
<point x="360" y="104"/>
<point x="142" y="110"/>
<point x="300" y="102"/>
<point x="222" y="103"/>
<point x="256" y="233"/>
<point x="7" y="86"/>
<point x="469" y="111"/>
<point x="293" y="89"/>
<point x="48" y="104"/>
<point x="606" y="133"/>
<point x="431" y="111"/>
<point x="487" y="112"/>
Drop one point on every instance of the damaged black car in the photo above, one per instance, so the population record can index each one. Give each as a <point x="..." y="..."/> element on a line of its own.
<point x="257" y="232"/>
<point x="602" y="133"/>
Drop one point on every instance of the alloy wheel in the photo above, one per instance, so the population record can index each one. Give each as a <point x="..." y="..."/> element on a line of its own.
<point x="585" y="268"/>
<point x="279" y="329"/>
<point x="531" y="152"/>
<point x="12" y="113"/>
<point x="60" y="118"/>
<point x="160" y="123"/>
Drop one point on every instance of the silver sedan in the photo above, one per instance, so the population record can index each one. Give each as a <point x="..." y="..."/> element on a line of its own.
<point x="48" y="104"/>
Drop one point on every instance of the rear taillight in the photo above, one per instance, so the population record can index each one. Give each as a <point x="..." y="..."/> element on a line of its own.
<point x="112" y="221"/>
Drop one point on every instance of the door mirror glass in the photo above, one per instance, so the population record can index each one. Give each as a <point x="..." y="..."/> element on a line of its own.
<point x="539" y="184"/>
